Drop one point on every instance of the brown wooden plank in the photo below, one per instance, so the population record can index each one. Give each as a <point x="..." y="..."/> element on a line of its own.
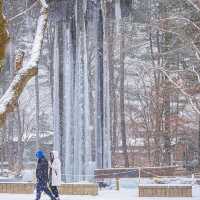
<point x="165" y="191"/>
<point x="134" y="172"/>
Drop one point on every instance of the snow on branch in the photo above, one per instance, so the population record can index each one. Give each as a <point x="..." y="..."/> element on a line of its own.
<point x="9" y="100"/>
<point x="182" y="90"/>
<point x="44" y="4"/>
<point x="194" y="4"/>
<point x="23" y="12"/>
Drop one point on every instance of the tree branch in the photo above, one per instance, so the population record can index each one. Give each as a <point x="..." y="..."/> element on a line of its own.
<point x="194" y="4"/>
<point x="9" y="100"/>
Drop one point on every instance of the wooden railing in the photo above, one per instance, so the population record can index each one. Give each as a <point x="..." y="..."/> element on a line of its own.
<point x="119" y="173"/>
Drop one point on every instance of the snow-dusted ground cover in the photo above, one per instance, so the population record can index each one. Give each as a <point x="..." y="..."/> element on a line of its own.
<point x="124" y="194"/>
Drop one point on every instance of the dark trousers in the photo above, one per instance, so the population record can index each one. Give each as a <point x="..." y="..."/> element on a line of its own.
<point x="41" y="187"/>
<point x="54" y="190"/>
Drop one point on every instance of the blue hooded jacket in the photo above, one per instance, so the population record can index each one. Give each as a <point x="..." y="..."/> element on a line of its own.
<point x="42" y="168"/>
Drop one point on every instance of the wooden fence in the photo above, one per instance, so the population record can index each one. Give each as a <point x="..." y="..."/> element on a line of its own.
<point x="146" y="172"/>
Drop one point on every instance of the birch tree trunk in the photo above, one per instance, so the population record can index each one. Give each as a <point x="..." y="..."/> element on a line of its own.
<point x="10" y="119"/>
<point x="37" y="113"/>
<point x="58" y="102"/>
<point x="56" y="92"/>
<point x="71" y="100"/>
<point x="91" y="45"/>
<point x="19" y="143"/>
<point x="122" y="103"/>
<point x="99" y="88"/>
<point x="69" y="93"/>
<point x="82" y="136"/>
<point x="73" y="84"/>
<point x="108" y="80"/>
<point x="159" y="110"/>
<point x="166" y="95"/>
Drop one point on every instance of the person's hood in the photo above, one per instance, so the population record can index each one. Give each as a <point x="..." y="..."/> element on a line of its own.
<point x="55" y="154"/>
<point x="40" y="154"/>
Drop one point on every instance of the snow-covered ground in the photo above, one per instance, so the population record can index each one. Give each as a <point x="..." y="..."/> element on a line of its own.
<point x="129" y="191"/>
<point x="124" y="194"/>
<point x="103" y="195"/>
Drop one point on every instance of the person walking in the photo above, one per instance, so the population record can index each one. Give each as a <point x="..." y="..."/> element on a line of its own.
<point x="42" y="176"/>
<point x="55" y="173"/>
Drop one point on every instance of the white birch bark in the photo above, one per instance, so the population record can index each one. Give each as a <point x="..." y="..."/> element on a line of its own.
<point x="77" y="144"/>
<point x="99" y="126"/>
<point x="77" y="112"/>
<point x="56" y="93"/>
<point x="68" y="103"/>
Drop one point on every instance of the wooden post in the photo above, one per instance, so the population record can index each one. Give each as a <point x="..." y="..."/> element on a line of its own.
<point x="117" y="184"/>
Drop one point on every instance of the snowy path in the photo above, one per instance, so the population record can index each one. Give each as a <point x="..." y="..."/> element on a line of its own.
<point x="125" y="194"/>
